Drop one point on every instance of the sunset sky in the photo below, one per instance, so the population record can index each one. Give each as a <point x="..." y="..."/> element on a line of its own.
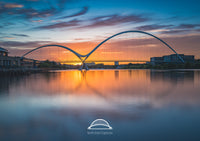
<point x="82" y="24"/>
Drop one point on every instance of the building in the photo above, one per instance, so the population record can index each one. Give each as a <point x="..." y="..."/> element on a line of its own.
<point x="156" y="60"/>
<point x="29" y="63"/>
<point x="13" y="62"/>
<point x="189" y="58"/>
<point x="173" y="58"/>
<point x="3" y="52"/>
<point x="7" y="61"/>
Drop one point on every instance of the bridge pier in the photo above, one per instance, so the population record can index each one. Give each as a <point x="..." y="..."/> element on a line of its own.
<point x="84" y="66"/>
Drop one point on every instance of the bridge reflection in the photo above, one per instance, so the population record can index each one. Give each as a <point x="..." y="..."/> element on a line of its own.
<point x="110" y="85"/>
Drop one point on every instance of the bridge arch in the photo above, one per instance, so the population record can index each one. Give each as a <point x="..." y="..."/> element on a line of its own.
<point x="74" y="52"/>
<point x="83" y="58"/>
<point x="137" y="31"/>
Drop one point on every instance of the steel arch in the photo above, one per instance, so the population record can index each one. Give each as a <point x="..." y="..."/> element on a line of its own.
<point x="87" y="55"/>
<point x="74" y="52"/>
<point x="138" y="31"/>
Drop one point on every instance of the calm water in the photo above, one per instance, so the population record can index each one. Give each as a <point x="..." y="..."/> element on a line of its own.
<point x="138" y="104"/>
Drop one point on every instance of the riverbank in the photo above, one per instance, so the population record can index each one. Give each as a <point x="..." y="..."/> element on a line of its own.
<point x="20" y="71"/>
<point x="25" y="71"/>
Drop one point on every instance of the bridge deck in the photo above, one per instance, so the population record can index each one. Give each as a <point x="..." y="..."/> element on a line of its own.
<point x="89" y="61"/>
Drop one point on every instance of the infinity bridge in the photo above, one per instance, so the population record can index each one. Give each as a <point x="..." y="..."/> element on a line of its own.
<point x="83" y="58"/>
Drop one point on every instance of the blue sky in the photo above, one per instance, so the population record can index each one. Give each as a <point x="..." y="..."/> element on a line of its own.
<point x="26" y="24"/>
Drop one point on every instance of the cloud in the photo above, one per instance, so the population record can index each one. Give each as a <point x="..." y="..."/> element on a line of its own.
<point x="114" y="20"/>
<point x="28" y="11"/>
<point x="32" y="13"/>
<point x="22" y="44"/>
<point x="20" y="35"/>
<point x="100" y="21"/>
<point x="82" y="12"/>
<point x="170" y="29"/>
<point x="7" y="7"/>
<point x="174" y="31"/>
<point x="152" y="27"/>
<point x="60" y="25"/>
<point x="13" y="5"/>
<point x="188" y="25"/>
<point x="9" y="38"/>
<point x="38" y="21"/>
<point x="28" y="8"/>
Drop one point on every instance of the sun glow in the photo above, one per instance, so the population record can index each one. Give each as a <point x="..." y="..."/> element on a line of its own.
<point x="76" y="64"/>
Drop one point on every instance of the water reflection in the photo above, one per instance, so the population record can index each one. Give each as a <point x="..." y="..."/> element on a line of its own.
<point x="172" y="76"/>
<point x="110" y="84"/>
<point x="63" y="103"/>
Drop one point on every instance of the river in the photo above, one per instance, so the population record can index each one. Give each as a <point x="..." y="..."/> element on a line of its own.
<point x="139" y="105"/>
